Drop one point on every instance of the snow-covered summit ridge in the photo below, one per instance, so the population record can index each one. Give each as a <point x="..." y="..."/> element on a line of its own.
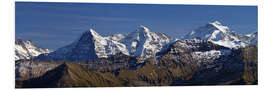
<point x="216" y="33"/>
<point x="91" y="45"/>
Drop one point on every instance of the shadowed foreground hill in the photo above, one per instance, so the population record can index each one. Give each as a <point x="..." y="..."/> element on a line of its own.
<point x="70" y="75"/>
<point x="76" y="75"/>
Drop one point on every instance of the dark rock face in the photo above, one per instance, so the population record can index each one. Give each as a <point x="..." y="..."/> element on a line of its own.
<point x="84" y="49"/>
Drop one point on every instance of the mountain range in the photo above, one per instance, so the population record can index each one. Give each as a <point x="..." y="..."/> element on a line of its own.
<point x="208" y="55"/>
<point x="142" y="42"/>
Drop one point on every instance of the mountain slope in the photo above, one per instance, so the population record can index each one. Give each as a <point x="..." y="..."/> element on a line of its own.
<point x="26" y="49"/>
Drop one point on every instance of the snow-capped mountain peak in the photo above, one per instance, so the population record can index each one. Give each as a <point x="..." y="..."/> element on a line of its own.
<point x="216" y="33"/>
<point x="142" y="28"/>
<point x="90" y="45"/>
<point x="94" y="33"/>
<point x="210" y="32"/>
<point x="26" y="49"/>
<point x="220" y="27"/>
<point x="216" y="23"/>
<point x="145" y="43"/>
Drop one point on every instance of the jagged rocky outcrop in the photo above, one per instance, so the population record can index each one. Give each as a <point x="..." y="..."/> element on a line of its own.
<point x="26" y="49"/>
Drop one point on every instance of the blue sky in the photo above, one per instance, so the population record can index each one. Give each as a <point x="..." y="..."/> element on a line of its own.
<point x="53" y="25"/>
